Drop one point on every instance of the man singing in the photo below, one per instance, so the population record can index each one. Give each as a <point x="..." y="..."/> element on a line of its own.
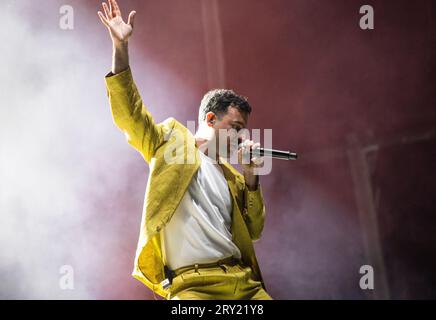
<point x="200" y="215"/>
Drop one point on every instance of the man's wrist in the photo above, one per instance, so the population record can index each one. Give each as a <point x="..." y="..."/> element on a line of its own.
<point x="252" y="187"/>
<point x="120" y="44"/>
<point x="251" y="180"/>
<point x="120" y="59"/>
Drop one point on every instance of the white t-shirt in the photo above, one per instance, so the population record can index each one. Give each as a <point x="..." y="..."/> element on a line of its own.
<point x="200" y="229"/>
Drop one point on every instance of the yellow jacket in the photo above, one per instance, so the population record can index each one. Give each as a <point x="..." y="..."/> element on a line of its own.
<point x="168" y="182"/>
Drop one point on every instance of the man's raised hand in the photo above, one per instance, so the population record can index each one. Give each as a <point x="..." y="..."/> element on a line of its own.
<point x="112" y="19"/>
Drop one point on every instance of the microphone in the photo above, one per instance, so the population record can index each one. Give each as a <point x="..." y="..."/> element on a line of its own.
<point x="275" y="154"/>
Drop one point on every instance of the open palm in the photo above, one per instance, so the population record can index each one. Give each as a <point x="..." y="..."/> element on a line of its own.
<point x="112" y="19"/>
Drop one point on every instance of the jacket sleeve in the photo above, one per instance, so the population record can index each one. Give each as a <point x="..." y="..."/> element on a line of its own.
<point x="131" y="116"/>
<point x="254" y="212"/>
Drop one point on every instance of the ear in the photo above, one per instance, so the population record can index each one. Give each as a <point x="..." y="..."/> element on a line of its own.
<point x="210" y="119"/>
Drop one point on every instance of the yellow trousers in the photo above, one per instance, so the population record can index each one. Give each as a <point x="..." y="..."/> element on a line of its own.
<point x="224" y="282"/>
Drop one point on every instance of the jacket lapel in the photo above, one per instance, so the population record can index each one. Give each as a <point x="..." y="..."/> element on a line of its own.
<point x="240" y="233"/>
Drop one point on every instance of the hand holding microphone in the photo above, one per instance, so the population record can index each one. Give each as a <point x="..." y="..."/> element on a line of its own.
<point x="256" y="151"/>
<point x="245" y="150"/>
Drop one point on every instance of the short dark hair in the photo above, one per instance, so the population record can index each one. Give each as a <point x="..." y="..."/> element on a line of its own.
<point x="219" y="100"/>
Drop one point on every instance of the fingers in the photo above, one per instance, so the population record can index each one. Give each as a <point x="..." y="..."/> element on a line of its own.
<point x="244" y="158"/>
<point x="107" y="11"/>
<point x="244" y="153"/>
<point x="131" y="19"/>
<point x="111" y="10"/>
<point x="258" y="161"/>
<point x="103" y="19"/>
<point x="249" y="144"/>
<point x="245" y="143"/>
<point x="115" y="8"/>
<point x="245" y="146"/>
